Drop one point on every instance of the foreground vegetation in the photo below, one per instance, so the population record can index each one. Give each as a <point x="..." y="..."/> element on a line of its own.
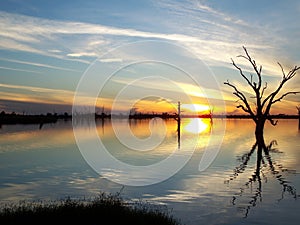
<point x="104" y="209"/>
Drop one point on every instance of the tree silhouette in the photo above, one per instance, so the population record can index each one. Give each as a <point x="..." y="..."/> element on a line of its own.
<point x="260" y="112"/>
<point x="264" y="166"/>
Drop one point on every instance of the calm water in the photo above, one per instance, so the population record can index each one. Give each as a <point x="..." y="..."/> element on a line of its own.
<point x="47" y="164"/>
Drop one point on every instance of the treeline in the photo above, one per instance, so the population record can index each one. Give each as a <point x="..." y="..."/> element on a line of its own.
<point x="14" y="118"/>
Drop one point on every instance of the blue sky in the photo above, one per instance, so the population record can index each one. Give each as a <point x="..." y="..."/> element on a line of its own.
<point x="46" y="46"/>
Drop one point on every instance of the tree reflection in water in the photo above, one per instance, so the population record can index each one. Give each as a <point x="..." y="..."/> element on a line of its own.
<point x="264" y="164"/>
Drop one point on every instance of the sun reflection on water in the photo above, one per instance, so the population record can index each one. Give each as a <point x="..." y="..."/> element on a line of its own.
<point x="196" y="126"/>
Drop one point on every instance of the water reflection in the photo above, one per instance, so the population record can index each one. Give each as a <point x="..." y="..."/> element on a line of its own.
<point x="194" y="126"/>
<point x="264" y="166"/>
<point x="46" y="164"/>
<point x="197" y="126"/>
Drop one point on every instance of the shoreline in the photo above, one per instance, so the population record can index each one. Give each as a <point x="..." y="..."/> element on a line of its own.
<point x="103" y="208"/>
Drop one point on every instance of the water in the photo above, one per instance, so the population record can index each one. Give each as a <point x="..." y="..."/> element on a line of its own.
<point x="47" y="164"/>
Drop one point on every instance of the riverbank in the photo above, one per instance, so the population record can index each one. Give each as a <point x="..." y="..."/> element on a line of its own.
<point x="103" y="209"/>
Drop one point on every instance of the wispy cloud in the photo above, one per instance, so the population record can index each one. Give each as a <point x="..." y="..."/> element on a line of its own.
<point x="222" y="35"/>
<point x="212" y="34"/>
<point x="21" y="70"/>
<point x="36" y="94"/>
<point x="36" y="89"/>
<point x="111" y="60"/>
<point x="80" y="54"/>
<point x="10" y="44"/>
<point x="38" y="65"/>
<point x="178" y="88"/>
<point x="37" y="31"/>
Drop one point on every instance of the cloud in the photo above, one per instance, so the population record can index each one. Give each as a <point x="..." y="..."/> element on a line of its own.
<point x="223" y="35"/>
<point x="38" y="65"/>
<point x="80" y="54"/>
<point x="36" y="33"/>
<point x="54" y="51"/>
<point x="111" y="60"/>
<point x="174" y="87"/>
<point x="35" y="94"/>
<point x="35" y="89"/>
<point x="213" y="35"/>
<point x="22" y="70"/>
<point x="11" y="44"/>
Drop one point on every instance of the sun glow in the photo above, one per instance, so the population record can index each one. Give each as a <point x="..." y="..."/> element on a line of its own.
<point x="195" y="107"/>
<point x="196" y="126"/>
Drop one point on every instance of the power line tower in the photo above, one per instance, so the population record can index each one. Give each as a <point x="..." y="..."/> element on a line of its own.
<point x="298" y="108"/>
<point x="179" y="111"/>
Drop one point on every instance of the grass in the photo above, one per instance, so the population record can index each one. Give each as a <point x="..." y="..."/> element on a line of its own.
<point x="103" y="209"/>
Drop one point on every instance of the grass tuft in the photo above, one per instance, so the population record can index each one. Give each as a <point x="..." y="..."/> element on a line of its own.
<point x="103" y="209"/>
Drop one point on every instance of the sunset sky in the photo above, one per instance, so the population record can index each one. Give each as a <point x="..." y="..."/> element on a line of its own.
<point x="47" y="46"/>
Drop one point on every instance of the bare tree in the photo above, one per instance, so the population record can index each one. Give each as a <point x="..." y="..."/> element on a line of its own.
<point x="261" y="111"/>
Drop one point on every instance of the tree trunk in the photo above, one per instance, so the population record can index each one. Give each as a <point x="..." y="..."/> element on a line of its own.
<point x="259" y="131"/>
<point x="258" y="159"/>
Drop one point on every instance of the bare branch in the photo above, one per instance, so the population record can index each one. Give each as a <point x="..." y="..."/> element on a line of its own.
<point x="284" y="95"/>
<point x="253" y="63"/>
<point x="243" y="108"/>
<point x="260" y="69"/>
<point x="243" y="98"/>
<point x="263" y="90"/>
<point x="285" y="78"/>
<point x="292" y="73"/>
<point x="282" y="70"/>
<point x="242" y="74"/>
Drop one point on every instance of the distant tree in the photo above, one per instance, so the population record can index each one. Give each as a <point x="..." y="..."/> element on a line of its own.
<point x="260" y="112"/>
<point x="133" y="111"/>
<point x="2" y="113"/>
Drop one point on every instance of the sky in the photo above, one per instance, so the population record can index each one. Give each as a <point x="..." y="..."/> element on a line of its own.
<point x="46" y="47"/>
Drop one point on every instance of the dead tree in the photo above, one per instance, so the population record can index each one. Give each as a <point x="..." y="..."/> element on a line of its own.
<point x="260" y="111"/>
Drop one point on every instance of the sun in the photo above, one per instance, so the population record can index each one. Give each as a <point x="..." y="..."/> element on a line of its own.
<point x="195" y="107"/>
